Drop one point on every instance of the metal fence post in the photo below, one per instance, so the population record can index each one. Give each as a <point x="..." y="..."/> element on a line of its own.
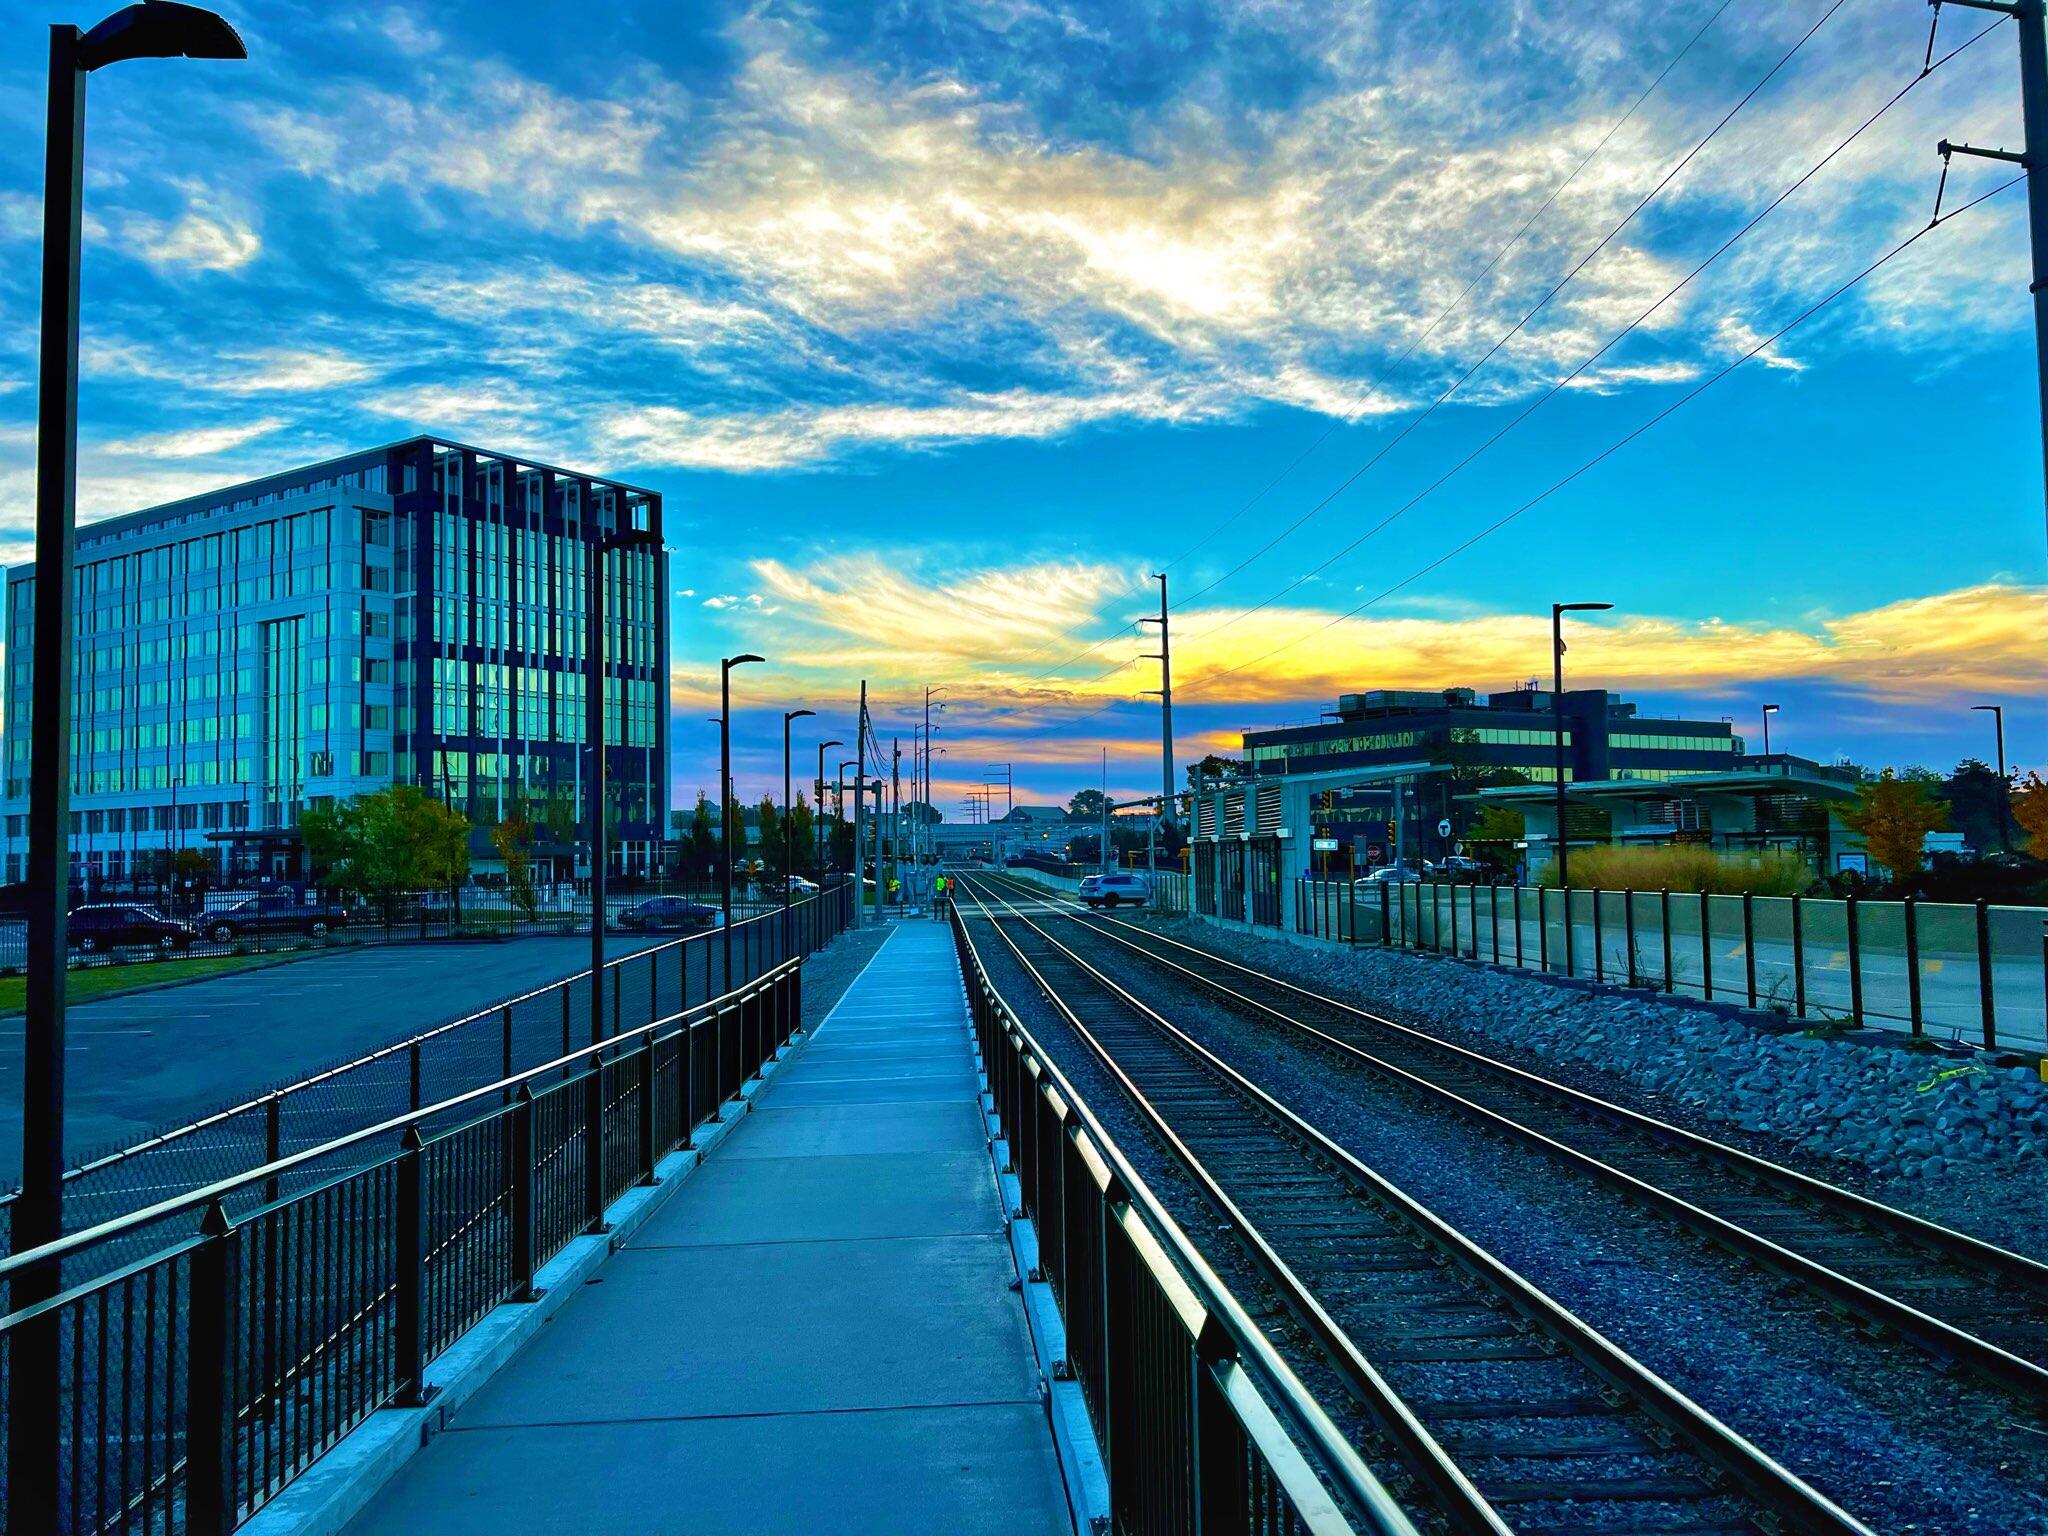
<point x="1749" y="943"/>
<point x="1912" y="916"/>
<point x="210" y="1433"/>
<point x="1386" y="917"/>
<point x="1706" y="947"/>
<point x="505" y="1056"/>
<point x="1628" y="931"/>
<point x="412" y="1056"/>
<point x="1454" y="921"/>
<point x="1987" y="1000"/>
<point x="1543" y="928"/>
<point x="648" y="1150"/>
<point x="593" y="1144"/>
<point x="1849" y="917"/>
<point x="1664" y="927"/>
<point x="1599" y="943"/>
<point x="1493" y="918"/>
<point x="1571" y="933"/>
<point x="522" y="1195"/>
<point x="410" y="1325"/>
<point x="1798" y="961"/>
<point x="686" y="1085"/>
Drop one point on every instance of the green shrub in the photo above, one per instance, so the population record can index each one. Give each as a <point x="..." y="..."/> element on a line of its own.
<point x="1685" y="867"/>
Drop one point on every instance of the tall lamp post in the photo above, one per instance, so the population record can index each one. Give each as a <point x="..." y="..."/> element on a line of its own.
<point x="155" y="30"/>
<point x="595" y="662"/>
<point x="1997" y="713"/>
<point x="1557" y="613"/>
<point x="725" y="794"/>
<point x="788" y="842"/>
<point x="1769" y="710"/>
<point x="818" y="810"/>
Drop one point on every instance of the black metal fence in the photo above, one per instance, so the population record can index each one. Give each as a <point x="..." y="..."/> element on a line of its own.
<point x="1974" y="972"/>
<point x="182" y="1390"/>
<point x="400" y="1078"/>
<point x="1197" y="1417"/>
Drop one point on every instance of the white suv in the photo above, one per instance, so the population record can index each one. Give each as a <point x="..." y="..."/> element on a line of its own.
<point x="1114" y="889"/>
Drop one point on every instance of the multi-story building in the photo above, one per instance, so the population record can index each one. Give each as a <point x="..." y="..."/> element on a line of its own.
<point x="411" y="614"/>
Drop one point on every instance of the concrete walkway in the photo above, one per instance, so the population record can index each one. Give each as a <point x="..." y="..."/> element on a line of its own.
<point x="816" y="1334"/>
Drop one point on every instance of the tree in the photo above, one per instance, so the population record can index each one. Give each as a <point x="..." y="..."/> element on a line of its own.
<point x="1976" y="799"/>
<point x="1086" y="806"/>
<point x="393" y="840"/>
<point x="922" y="813"/>
<point x="513" y="838"/>
<point x="703" y="836"/>
<point x="803" y="832"/>
<point x="1895" y="815"/>
<point x="770" y="821"/>
<point x="2030" y="812"/>
<point x="1214" y="767"/>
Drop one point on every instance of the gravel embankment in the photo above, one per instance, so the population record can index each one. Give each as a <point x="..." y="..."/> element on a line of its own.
<point x="829" y="972"/>
<point x="1961" y="1143"/>
<point x="1755" y="1352"/>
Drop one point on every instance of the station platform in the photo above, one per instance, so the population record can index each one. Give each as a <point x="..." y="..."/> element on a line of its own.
<point x="817" y="1332"/>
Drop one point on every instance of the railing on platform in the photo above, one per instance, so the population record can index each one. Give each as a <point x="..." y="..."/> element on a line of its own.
<point x="1202" y="1425"/>
<point x="438" y="1063"/>
<point x="182" y="1390"/>
<point x="1974" y="972"/>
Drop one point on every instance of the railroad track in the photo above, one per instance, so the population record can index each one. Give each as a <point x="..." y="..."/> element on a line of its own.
<point x="1961" y="1300"/>
<point x="1510" y="1413"/>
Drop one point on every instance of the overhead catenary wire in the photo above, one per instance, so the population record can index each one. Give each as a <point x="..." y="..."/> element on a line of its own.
<point x="1615" y="447"/>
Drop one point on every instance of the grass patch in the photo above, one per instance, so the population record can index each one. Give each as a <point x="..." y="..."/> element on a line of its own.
<point x="1683" y="868"/>
<point x="88" y="982"/>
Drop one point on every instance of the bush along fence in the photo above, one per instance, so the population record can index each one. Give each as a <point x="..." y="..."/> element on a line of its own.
<point x="1202" y="1426"/>
<point x="181" y="1391"/>
<point x="481" y="1047"/>
<point x="1976" y="974"/>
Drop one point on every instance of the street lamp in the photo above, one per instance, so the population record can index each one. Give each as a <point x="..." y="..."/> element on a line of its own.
<point x="1557" y="613"/>
<point x="594" y="664"/>
<point x="155" y="30"/>
<point x="788" y="847"/>
<point x="818" y="810"/>
<point x="1769" y="710"/>
<point x="1997" y="713"/>
<point x="725" y="792"/>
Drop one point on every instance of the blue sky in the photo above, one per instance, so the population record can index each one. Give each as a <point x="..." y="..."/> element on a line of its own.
<point x="942" y="325"/>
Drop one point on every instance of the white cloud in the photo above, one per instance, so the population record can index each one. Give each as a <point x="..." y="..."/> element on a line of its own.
<point x="196" y="240"/>
<point x="192" y="442"/>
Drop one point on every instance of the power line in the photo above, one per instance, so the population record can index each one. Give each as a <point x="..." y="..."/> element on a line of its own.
<point x="1386" y="448"/>
<point x="1429" y="330"/>
<point x="1613" y="448"/>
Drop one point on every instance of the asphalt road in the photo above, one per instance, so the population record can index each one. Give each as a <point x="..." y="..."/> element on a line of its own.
<point x="138" y="1063"/>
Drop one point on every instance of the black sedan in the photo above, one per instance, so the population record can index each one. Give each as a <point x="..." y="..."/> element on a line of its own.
<point x="263" y="915"/>
<point x="101" y="926"/>
<point x="672" y="913"/>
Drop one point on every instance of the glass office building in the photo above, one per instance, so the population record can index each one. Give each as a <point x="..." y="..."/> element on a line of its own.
<point x="411" y="614"/>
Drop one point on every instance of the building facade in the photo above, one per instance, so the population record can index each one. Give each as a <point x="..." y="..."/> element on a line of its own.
<point x="410" y="614"/>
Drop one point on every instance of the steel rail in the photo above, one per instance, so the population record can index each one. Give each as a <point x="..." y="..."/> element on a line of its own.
<point x="1274" y="1377"/>
<point x="2026" y="1379"/>
<point x="200" y="1198"/>
<point x="1771" y="1486"/>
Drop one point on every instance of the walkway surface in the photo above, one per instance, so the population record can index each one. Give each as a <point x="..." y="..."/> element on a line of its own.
<point x="817" y="1333"/>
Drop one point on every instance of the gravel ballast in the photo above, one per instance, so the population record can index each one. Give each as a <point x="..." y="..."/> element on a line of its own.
<point x="1964" y="1143"/>
<point x="1830" y="1404"/>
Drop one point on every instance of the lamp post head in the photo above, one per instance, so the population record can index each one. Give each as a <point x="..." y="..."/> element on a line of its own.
<point x="739" y="661"/>
<point x="1557" y="608"/>
<point x="1770" y="709"/>
<point x="1996" y="709"/>
<point x="835" y="742"/>
<point x="159" y="29"/>
<point x="796" y="714"/>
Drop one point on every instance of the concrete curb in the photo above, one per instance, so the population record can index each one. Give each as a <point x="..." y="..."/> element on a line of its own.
<point x="339" y="1486"/>
<point x="1073" y="1432"/>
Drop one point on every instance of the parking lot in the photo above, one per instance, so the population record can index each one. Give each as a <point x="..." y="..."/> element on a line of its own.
<point x="144" y="1061"/>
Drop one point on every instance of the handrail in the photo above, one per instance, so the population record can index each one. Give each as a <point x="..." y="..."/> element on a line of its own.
<point x="1251" y="1346"/>
<point x="276" y="1095"/>
<point x="73" y="1242"/>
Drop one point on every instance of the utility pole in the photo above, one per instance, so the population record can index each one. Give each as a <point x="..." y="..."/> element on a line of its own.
<point x="1164" y="656"/>
<point x="860" y="796"/>
<point x="2031" y="18"/>
<point x="896" y="812"/>
<point x="1009" y="783"/>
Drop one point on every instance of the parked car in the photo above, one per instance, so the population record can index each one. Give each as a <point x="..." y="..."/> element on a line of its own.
<point x="670" y="913"/>
<point x="1455" y="867"/>
<point x="105" y="925"/>
<point x="1391" y="874"/>
<point x="272" y="914"/>
<point x="1114" y="890"/>
<point x="799" y="886"/>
